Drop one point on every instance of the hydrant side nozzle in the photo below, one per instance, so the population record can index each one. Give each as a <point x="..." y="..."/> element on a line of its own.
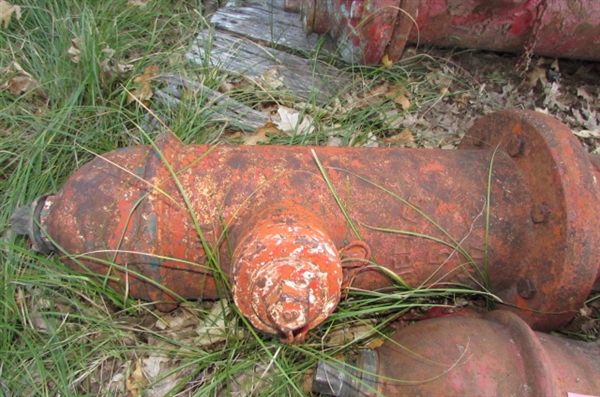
<point x="287" y="272"/>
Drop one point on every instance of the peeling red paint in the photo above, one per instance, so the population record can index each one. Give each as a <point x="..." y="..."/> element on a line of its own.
<point x="560" y="28"/>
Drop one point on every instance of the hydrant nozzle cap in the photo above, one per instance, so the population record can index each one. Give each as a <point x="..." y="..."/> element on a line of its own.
<point x="288" y="295"/>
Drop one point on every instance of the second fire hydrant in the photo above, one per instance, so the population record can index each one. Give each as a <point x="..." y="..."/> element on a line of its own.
<point x="515" y="210"/>
<point x="495" y="355"/>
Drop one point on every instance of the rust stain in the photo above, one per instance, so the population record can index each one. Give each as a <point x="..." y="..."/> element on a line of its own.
<point x="433" y="167"/>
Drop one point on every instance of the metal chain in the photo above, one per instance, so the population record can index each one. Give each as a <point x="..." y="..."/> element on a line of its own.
<point x="525" y="61"/>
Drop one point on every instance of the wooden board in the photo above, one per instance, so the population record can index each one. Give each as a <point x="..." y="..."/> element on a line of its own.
<point x="267" y="22"/>
<point x="273" y="70"/>
<point x="224" y="108"/>
<point x="263" y="43"/>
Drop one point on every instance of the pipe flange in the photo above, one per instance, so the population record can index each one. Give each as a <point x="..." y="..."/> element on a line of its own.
<point x="564" y="229"/>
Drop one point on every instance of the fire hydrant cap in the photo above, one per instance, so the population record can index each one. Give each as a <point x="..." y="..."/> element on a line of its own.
<point x="288" y="294"/>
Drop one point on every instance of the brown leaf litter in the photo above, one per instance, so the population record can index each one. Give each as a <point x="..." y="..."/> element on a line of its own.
<point x="143" y="91"/>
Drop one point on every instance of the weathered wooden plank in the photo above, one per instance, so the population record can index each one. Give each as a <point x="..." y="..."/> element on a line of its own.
<point x="221" y="107"/>
<point x="305" y="79"/>
<point x="264" y="21"/>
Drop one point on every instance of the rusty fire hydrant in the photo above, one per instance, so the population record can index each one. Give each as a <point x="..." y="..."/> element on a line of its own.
<point x="514" y="210"/>
<point x="496" y="355"/>
<point x="368" y="30"/>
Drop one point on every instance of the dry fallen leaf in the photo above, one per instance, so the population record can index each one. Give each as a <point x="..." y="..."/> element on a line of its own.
<point x="582" y="93"/>
<point x="379" y="90"/>
<point x="462" y="99"/>
<point x="162" y="374"/>
<point x="226" y="87"/>
<point x="587" y="134"/>
<point x="6" y="12"/>
<point x="177" y="321"/>
<point x="136" y="379"/>
<point x="272" y="78"/>
<point x="74" y="51"/>
<point x="404" y="137"/>
<point x="398" y="94"/>
<point x="307" y="381"/>
<point x="334" y="141"/>
<point x="591" y="326"/>
<point x="246" y="382"/>
<point x="585" y="311"/>
<point x="375" y="343"/>
<point x="403" y="101"/>
<point x="290" y="121"/>
<point x="213" y="328"/>
<point x="143" y="92"/>
<point x="261" y="134"/>
<point x="19" y="82"/>
<point x="372" y="140"/>
<point x="537" y="74"/>
<point x="387" y="63"/>
<point x="344" y="334"/>
<point x="394" y="90"/>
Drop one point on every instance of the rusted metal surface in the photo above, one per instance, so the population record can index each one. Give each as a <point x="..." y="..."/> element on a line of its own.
<point x="287" y="272"/>
<point x="367" y="29"/>
<point x="175" y="221"/>
<point x="561" y="194"/>
<point x="497" y="355"/>
<point x="361" y="28"/>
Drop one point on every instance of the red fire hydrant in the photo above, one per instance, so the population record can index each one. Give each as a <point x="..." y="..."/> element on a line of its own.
<point x="514" y="210"/>
<point x="497" y="355"/>
<point x="366" y="30"/>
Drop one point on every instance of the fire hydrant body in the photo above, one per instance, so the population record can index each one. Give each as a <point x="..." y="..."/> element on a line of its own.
<point x="497" y="355"/>
<point x="366" y="30"/>
<point x="514" y="211"/>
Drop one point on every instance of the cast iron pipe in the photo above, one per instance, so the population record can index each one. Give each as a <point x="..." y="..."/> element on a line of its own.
<point x="170" y="221"/>
<point x="366" y="30"/>
<point x="497" y="355"/>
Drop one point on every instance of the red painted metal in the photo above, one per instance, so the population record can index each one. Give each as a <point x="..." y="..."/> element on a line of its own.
<point x="367" y="29"/>
<point x="287" y="271"/>
<point x="497" y="355"/>
<point x="173" y="221"/>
